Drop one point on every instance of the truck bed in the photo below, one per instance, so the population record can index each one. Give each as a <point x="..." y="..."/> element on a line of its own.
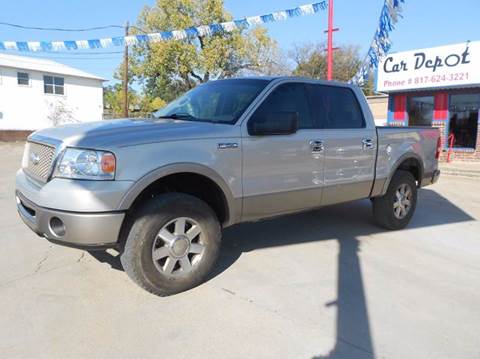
<point x="395" y="143"/>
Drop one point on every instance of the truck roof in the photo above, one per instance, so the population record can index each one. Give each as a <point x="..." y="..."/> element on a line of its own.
<point x="295" y="78"/>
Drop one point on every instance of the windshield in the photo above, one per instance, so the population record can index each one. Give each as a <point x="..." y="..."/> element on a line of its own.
<point x="217" y="101"/>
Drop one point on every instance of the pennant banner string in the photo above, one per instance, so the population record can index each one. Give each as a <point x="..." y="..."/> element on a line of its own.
<point x="381" y="44"/>
<point x="192" y="32"/>
<point x="379" y="47"/>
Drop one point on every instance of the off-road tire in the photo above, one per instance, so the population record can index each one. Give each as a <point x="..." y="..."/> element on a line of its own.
<point x="383" y="207"/>
<point x="145" y="223"/>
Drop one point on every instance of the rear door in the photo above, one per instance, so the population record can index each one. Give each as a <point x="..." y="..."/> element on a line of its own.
<point x="282" y="173"/>
<point x="349" y="142"/>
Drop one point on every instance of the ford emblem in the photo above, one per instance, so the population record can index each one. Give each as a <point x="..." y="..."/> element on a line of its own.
<point x="34" y="158"/>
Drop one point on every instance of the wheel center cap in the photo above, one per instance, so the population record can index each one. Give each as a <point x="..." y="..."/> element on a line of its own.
<point x="180" y="246"/>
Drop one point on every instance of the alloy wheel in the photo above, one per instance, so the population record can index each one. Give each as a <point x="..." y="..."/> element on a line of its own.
<point x="178" y="247"/>
<point x="403" y="201"/>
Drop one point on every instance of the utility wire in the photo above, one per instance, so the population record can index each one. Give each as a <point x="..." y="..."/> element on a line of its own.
<point x="67" y="58"/>
<point x="138" y="29"/>
<point x="60" y="29"/>
<point x="76" y="53"/>
<point x="74" y="56"/>
<point x="80" y="58"/>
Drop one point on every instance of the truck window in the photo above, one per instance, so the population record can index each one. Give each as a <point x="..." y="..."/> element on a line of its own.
<point x="335" y="107"/>
<point x="289" y="97"/>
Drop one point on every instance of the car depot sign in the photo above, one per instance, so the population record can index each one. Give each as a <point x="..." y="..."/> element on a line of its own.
<point x="445" y="66"/>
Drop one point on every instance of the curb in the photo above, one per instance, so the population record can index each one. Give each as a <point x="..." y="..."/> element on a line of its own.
<point x="469" y="174"/>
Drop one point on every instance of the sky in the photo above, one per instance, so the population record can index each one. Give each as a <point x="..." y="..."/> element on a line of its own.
<point x="426" y="23"/>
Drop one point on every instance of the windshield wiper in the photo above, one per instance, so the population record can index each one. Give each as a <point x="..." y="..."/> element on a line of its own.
<point x="179" y="116"/>
<point x="183" y="116"/>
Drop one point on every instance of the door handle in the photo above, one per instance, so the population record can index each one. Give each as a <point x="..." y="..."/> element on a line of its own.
<point x="317" y="145"/>
<point x="367" y="144"/>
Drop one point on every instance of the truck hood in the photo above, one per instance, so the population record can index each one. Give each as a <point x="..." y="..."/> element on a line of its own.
<point x="128" y="132"/>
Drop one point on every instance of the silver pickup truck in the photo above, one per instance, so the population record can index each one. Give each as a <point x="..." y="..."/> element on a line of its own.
<point x="160" y="190"/>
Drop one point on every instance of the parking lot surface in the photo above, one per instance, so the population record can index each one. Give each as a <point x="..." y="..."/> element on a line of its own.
<point x="322" y="284"/>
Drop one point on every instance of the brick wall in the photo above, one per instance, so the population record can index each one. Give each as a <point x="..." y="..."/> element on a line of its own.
<point x="378" y="106"/>
<point x="13" y="135"/>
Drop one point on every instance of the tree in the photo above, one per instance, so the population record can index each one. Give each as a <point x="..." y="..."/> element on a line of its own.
<point x="59" y="113"/>
<point x="113" y="99"/>
<point x="169" y="68"/>
<point x="140" y="104"/>
<point x="311" y="61"/>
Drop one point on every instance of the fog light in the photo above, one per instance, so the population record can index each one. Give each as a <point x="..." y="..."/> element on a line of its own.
<point x="57" y="227"/>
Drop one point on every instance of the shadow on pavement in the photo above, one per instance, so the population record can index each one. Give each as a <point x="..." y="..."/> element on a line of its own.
<point x="106" y="257"/>
<point x="344" y="223"/>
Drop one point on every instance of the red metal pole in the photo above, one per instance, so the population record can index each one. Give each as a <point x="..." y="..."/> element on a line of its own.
<point x="330" y="41"/>
<point x="451" y="142"/>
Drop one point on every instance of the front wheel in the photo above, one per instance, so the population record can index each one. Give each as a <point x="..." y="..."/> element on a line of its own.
<point x="172" y="244"/>
<point x="395" y="209"/>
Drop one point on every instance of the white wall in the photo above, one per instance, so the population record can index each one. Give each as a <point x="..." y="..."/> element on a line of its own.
<point x="381" y="122"/>
<point x="28" y="107"/>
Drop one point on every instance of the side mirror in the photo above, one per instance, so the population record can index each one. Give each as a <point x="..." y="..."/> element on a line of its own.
<point x="275" y="123"/>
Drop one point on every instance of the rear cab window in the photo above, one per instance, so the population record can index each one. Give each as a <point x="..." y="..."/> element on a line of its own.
<point x="335" y="107"/>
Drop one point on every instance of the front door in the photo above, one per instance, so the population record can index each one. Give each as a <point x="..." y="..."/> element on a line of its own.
<point x="283" y="173"/>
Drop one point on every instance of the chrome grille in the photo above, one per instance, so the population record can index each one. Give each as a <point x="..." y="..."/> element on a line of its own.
<point x="40" y="159"/>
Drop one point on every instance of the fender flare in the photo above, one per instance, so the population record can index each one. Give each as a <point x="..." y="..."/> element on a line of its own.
<point x="405" y="157"/>
<point x="183" y="167"/>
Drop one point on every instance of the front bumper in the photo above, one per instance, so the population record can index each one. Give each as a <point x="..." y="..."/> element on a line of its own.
<point x="73" y="195"/>
<point x="82" y="230"/>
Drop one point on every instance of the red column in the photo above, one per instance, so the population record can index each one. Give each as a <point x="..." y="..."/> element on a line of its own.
<point x="440" y="112"/>
<point x="399" y="107"/>
<point x="330" y="41"/>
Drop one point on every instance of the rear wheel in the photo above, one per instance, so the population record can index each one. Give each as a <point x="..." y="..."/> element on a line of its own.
<point x="395" y="209"/>
<point x="172" y="244"/>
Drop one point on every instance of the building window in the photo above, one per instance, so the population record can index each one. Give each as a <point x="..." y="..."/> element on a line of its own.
<point x="53" y="85"/>
<point x="23" y="78"/>
<point x="420" y="110"/>
<point x="464" y="119"/>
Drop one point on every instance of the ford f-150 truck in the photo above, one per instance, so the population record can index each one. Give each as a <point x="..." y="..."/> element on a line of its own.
<point x="161" y="189"/>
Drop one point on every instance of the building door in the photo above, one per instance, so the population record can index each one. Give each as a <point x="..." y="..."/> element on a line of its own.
<point x="463" y="119"/>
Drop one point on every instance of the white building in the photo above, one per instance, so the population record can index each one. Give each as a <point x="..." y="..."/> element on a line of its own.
<point x="37" y="93"/>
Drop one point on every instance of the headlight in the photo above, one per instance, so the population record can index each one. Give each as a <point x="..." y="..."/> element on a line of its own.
<point x="86" y="164"/>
